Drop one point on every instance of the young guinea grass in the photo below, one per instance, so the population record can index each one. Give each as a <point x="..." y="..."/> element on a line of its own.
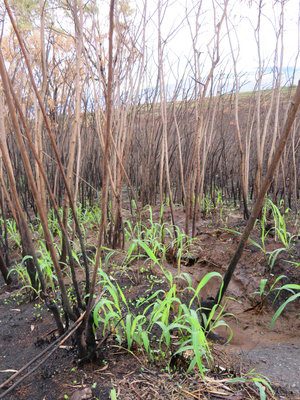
<point x="266" y="288"/>
<point x="212" y="204"/>
<point x="160" y="315"/>
<point x="53" y="223"/>
<point x="260" y="381"/>
<point x="163" y="311"/>
<point x="212" y="320"/>
<point x="13" y="233"/>
<point x="273" y="255"/>
<point x="160" y="310"/>
<point x="280" y="229"/>
<point x="46" y="267"/>
<point x="220" y="204"/>
<point x="197" y="292"/>
<point x="281" y="232"/>
<point x="20" y="271"/>
<point x="112" y="311"/>
<point x="207" y="205"/>
<point x="263" y="231"/>
<point x="294" y="263"/>
<point x="260" y="245"/>
<point x="148" y="254"/>
<point x="24" y="280"/>
<point x="88" y="216"/>
<point x="294" y="289"/>
<point x="153" y="240"/>
<point x="193" y="339"/>
<point x="152" y="236"/>
<point x="180" y="245"/>
<point x="139" y="329"/>
<point x="113" y="394"/>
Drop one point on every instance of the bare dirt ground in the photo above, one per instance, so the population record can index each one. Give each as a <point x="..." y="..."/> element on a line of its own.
<point x="272" y="352"/>
<point x="26" y="330"/>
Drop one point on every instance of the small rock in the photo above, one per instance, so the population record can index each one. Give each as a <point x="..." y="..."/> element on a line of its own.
<point x="82" y="394"/>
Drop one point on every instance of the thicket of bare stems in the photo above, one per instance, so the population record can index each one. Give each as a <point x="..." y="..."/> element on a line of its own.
<point x="87" y="116"/>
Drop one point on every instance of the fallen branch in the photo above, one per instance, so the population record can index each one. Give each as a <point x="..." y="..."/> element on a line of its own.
<point x="50" y="350"/>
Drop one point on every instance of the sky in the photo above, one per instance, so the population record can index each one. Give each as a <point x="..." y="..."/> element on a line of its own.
<point x="179" y="19"/>
<point x="242" y="21"/>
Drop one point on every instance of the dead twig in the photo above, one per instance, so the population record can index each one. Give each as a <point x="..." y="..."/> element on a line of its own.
<point x="54" y="346"/>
